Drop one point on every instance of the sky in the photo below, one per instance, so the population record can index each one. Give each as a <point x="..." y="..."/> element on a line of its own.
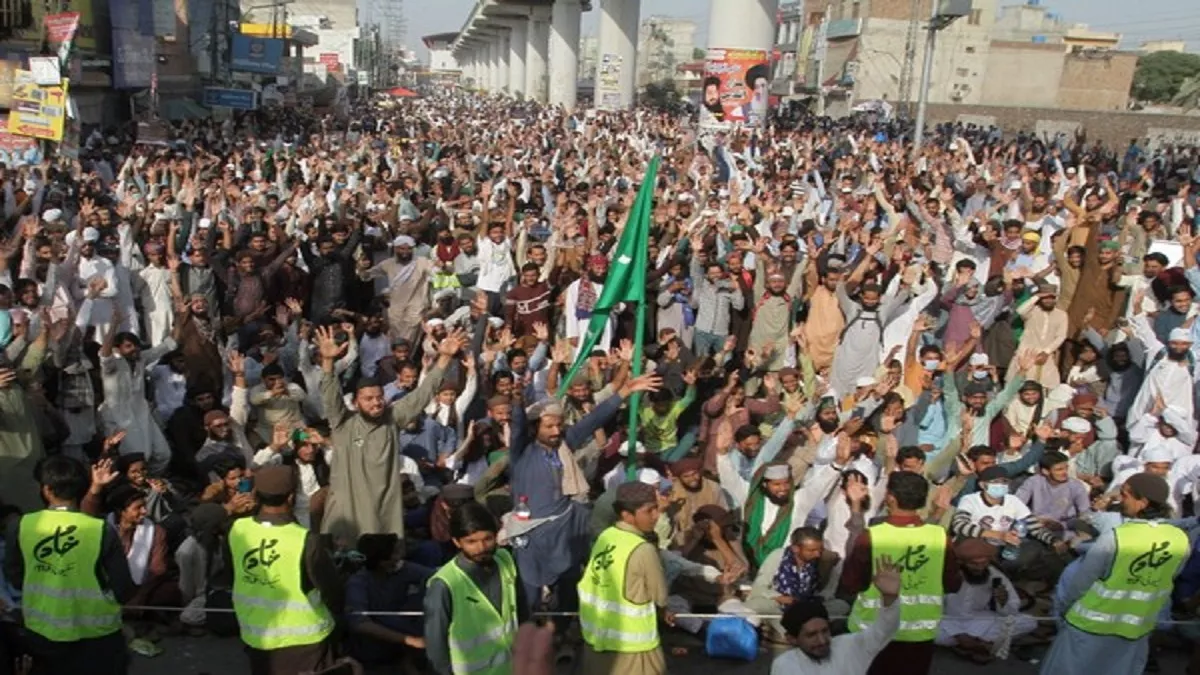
<point x="1136" y="21"/>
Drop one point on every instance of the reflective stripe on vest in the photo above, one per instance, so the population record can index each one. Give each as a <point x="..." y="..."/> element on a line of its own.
<point x="1126" y="603"/>
<point x="921" y="554"/>
<point x="272" y="609"/>
<point x="481" y="638"/>
<point x="609" y="622"/>
<point x="63" y="600"/>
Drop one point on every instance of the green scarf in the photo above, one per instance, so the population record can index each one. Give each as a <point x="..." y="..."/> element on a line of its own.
<point x="760" y="546"/>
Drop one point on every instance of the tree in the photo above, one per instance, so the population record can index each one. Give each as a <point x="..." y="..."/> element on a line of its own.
<point x="1160" y="75"/>
<point x="1189" y="94"/>
<point x="662" y="95"/>
<point x="699" y="54"/>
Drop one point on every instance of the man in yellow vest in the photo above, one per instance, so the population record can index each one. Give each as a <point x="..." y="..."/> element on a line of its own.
<point x="286" y="591"/>
<point x="622" y="589"/>
<point x="928" y="569"/>
<point x="473" y="603"/>
<point x="1116" y="595"/>
<point x="72" y="571"/>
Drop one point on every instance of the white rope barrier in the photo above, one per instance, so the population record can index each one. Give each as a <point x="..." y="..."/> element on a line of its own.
<point x="1039" y="619"/>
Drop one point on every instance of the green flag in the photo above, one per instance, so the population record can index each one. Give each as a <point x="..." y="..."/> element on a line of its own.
<point x="626" y="282"/>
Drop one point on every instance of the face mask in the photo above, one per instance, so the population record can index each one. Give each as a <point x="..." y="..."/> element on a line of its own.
<point x="979" y="374"/>
<point x="931" y="364"/>
<point x="997" y="490"/>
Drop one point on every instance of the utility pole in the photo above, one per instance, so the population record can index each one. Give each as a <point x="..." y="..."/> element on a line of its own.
<point x="822" y="52"/>
<point x="938" y="20"/>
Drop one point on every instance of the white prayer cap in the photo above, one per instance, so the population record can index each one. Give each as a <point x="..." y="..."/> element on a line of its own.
<point x="52" y="215"/>
<point x="434" y="323"/>
<point x="979" y="359"/>
<point x="777" y="472"/>
<point x="865" y="382"/>
<point x="649" y="477"/>
<point x="91" y="235"/>
<point x="787" y="212"/>
<point x="1176" y="418"/>
<point x="205" y="223"/>
<point x="404" y="240"/>
<point x="638" y="449"/>
<point x="1077" y="425"/>
<point x="708" y="213"/>
<point x="1180" y="335"/>
<point x="1157" y="453"/>
<point x="495" y="321"/>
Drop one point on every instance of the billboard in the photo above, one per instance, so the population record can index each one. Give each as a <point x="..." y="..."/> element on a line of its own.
<point x="256" y="54"/>
<point x="85" y="35"/>
<point x="331" y="60"/>
<point x="132" y="44"/>
<point x="17" y="150"/>
<point x="737" y="83"/>
<point x="38" y="112"/>
<point x="238" y="99"/>
<point x="608" y="82"/>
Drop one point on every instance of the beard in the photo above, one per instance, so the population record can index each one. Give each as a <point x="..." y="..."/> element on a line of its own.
<point x="777" y="501"/>
<point x="485" y="559"/>
<point x="817" y="658"/>
<point x="1177" y="355"/>
<point x="597" y="278"/>
<point x="976" y="578"/>
<point x="404" y="258"/>
<point x="828" y="426"/>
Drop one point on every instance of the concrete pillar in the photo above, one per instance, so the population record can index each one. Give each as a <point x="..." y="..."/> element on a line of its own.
<point x="742" y="24"/>
<point x="536" y="48"/>
<point x="565" y="17"/>
<point x="505" y="56"/>
<point x="616" y="67"/>
<point x="518" y="41"/>
<point x="494" y="64"/>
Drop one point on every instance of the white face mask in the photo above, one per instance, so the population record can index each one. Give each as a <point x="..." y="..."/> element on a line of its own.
<point x="979" y="374"/>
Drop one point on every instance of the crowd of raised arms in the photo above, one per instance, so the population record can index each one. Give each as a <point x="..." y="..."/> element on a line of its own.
<point x="375" y="313"/>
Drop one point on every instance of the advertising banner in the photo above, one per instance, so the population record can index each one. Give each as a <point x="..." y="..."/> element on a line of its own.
<point x="238" y="99"/>
<point x="256" y="54"/>
<point x="737" y="83"/>
<point x="133" y="45"/>
<point x="38" y="112"/>
<point x="331" y="60"/>
<point x="74" y="14"/>
<point x="17" y="150"/>
<point x="608" y="82"/>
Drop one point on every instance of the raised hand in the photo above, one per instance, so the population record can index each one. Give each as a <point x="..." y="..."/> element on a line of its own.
<point x="237" y="363"/>
<point x="112" y="441"/>
<point x="642" y="383"/>
<point x="452" y="343"/>
<point x="856" y="490"/>
<point x="887" y="577"/>
<point x="541" y="332"/>
<point x="103" y="474"/>
<point x="327" y="345"/>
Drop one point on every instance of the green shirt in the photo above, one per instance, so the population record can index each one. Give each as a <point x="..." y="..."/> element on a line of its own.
<point x="661" y="432"/>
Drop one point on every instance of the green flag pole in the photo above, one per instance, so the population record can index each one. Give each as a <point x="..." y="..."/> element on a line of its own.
<point x="626" y="282"/>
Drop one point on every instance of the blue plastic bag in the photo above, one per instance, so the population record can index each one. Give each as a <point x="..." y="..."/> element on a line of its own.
<point x="731" y="637"/>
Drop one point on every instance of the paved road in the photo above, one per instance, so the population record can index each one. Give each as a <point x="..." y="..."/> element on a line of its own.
<point x="211" y="656"/>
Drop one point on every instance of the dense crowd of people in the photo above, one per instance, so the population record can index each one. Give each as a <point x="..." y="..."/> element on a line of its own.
<point x="350" y="335"/>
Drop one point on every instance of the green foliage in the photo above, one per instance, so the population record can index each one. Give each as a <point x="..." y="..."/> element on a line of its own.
<point x="662" y="95"/>
<point x="698" y="53"/>
<point x="1160" y="75"/>
<point x="1189" y="94"/>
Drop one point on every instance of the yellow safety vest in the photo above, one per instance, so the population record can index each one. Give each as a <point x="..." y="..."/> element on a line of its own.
<point x="609" y="622"/>
<point x="921" y="554"/>
<point x="481" y="638"/>
<point x="63" y="600"/>
<point x="272" y="609"/>
<point x="1127" y="601"/>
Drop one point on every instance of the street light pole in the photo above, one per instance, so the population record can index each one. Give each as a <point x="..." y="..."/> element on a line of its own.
<point x="926" y="76"/>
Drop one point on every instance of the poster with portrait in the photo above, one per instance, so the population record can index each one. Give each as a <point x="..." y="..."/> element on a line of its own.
<point x="608" y="82"/>
<point x="737" y="84"/>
